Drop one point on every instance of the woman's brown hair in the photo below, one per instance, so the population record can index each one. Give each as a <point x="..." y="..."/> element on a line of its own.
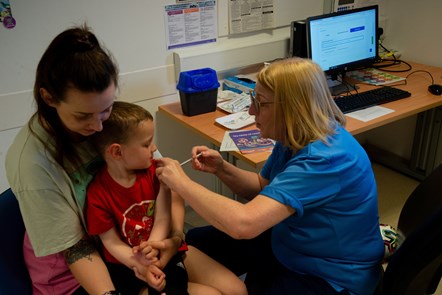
<point x="74" y="59"/>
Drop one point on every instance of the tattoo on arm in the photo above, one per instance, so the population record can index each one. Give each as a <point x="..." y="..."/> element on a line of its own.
<point x="83" y="249"/>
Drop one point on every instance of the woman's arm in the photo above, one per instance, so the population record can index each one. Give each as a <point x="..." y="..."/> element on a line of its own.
<point x="211" y="161"/>
<point x="251" y="182"/>
<point x="88" y="268"/>
<point x="241" y="221"/>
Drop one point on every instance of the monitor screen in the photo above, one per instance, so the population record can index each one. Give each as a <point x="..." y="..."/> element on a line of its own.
<point x="343" y="41"/>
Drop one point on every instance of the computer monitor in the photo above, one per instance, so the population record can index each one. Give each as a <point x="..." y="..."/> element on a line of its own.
<point x="343" y="41"/>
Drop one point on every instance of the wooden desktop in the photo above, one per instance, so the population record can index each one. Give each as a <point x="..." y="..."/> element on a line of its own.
<point x="419" y="101"/>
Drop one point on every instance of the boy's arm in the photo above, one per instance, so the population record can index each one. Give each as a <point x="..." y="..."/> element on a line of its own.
<point x="162" y="219"/>
<point x="169" y="246"/>
<point x="121" y="251"/>
<point x="177" y="222"/>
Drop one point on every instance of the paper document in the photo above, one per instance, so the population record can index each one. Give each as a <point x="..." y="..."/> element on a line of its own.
<point x="236" y="121"/>
<point x="190" y="23"/>
<point x="248" y="16"/>
<point x="228" y="145"/>
<point x="370" y="113"/>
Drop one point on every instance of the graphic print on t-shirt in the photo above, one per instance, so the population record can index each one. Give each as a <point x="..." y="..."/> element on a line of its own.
<point x="138" y="222"/>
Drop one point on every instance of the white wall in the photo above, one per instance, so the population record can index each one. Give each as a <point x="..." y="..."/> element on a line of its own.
<point x="415" y="29"/>
<point x="134" y="32"/>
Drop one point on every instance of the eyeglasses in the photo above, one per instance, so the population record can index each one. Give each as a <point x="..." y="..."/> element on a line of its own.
<point x="257" y="104"/>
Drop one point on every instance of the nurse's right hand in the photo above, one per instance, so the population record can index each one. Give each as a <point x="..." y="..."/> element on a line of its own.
<point x="209" y="161"/>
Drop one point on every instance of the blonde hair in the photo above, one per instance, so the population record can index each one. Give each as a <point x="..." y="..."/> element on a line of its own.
<point x="304" y="108"/>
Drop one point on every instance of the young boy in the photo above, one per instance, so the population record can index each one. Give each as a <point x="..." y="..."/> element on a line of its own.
<point x="126" y="204"/>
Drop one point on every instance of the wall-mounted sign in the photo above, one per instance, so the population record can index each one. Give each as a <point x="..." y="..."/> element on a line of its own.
<point x="190" y="23"/>
<point x="248" y="16"/>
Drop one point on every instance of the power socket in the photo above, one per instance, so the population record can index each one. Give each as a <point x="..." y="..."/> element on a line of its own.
<point x="389" y="54"/>
<point x="396" y="53"/>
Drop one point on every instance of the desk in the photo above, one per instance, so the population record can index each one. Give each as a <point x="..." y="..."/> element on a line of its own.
<point x="420" y="100"/>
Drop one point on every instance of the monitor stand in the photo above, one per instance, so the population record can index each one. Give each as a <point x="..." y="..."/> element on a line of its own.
<point x="337" y="87"/>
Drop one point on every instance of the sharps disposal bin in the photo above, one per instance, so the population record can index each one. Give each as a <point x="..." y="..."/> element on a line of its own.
<point x="198" y="91"/>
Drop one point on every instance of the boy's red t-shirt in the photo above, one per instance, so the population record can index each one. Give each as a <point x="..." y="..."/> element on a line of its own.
<point x="130" y="210"/>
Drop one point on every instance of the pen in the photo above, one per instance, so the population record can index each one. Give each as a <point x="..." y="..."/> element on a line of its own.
<point x="188" y="160"/>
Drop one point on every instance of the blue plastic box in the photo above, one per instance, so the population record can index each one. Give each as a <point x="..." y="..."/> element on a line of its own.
<point x="198" y="91"/>
<point x="238" y="84"/>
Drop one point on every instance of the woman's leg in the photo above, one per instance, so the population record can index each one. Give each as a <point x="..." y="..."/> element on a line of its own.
<point x="284" y="282"/>
<point x="237" y="255"/>
<point x="203" y="270"/>
<point x="265" y="275"/>
<point x="199" y="289"/>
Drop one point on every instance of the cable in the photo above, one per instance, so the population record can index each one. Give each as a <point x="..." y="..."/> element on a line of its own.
<point x="391" y="62"/>
<point x="422" y="71"/>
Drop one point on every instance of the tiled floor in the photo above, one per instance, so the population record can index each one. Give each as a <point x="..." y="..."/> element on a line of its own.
<point x="393" y="189"/>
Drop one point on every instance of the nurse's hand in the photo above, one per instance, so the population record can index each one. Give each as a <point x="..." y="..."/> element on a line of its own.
<point x="170" y="173"/>
<point x="209" y="160"/>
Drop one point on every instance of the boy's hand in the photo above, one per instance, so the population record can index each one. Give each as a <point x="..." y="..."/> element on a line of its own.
<point x="146" y="253"/>
<point x="168" y="248"/>
<point x="156" y="278"/>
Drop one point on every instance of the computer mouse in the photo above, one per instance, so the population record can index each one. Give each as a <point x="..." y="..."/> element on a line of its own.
<point x="435" y="89"/>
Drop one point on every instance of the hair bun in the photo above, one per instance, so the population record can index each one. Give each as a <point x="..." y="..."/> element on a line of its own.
<point x="85" y="42"/>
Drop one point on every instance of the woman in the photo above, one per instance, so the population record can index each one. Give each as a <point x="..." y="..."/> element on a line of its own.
<point x="47" y="164"/>
<point x="51" y="162"/>
<point x="311" y="225"/>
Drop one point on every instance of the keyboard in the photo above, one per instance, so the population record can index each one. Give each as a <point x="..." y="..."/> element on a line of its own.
<point x="377" y="96"/>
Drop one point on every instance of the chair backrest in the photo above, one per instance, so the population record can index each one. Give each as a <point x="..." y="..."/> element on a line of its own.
<point x="416" y="266"/>
<point x="14" y="277"/>
<point x="423" y="201"/>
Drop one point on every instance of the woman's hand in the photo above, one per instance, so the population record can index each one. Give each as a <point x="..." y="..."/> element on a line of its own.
<point x="209" y="161"/>
<point x="170" y="173"/>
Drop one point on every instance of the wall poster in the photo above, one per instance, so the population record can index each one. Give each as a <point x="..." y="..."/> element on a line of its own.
<point x="250" y="15"/>
<point x="190" y="24"/>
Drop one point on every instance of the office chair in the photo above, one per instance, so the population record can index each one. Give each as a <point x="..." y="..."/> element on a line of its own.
<point x="415" y="268"/>
<point x="14" y="276"/>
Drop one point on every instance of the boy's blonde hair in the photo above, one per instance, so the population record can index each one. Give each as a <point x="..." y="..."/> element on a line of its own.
<point x="304" y="108"/>
<point x="123" y="120"/>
